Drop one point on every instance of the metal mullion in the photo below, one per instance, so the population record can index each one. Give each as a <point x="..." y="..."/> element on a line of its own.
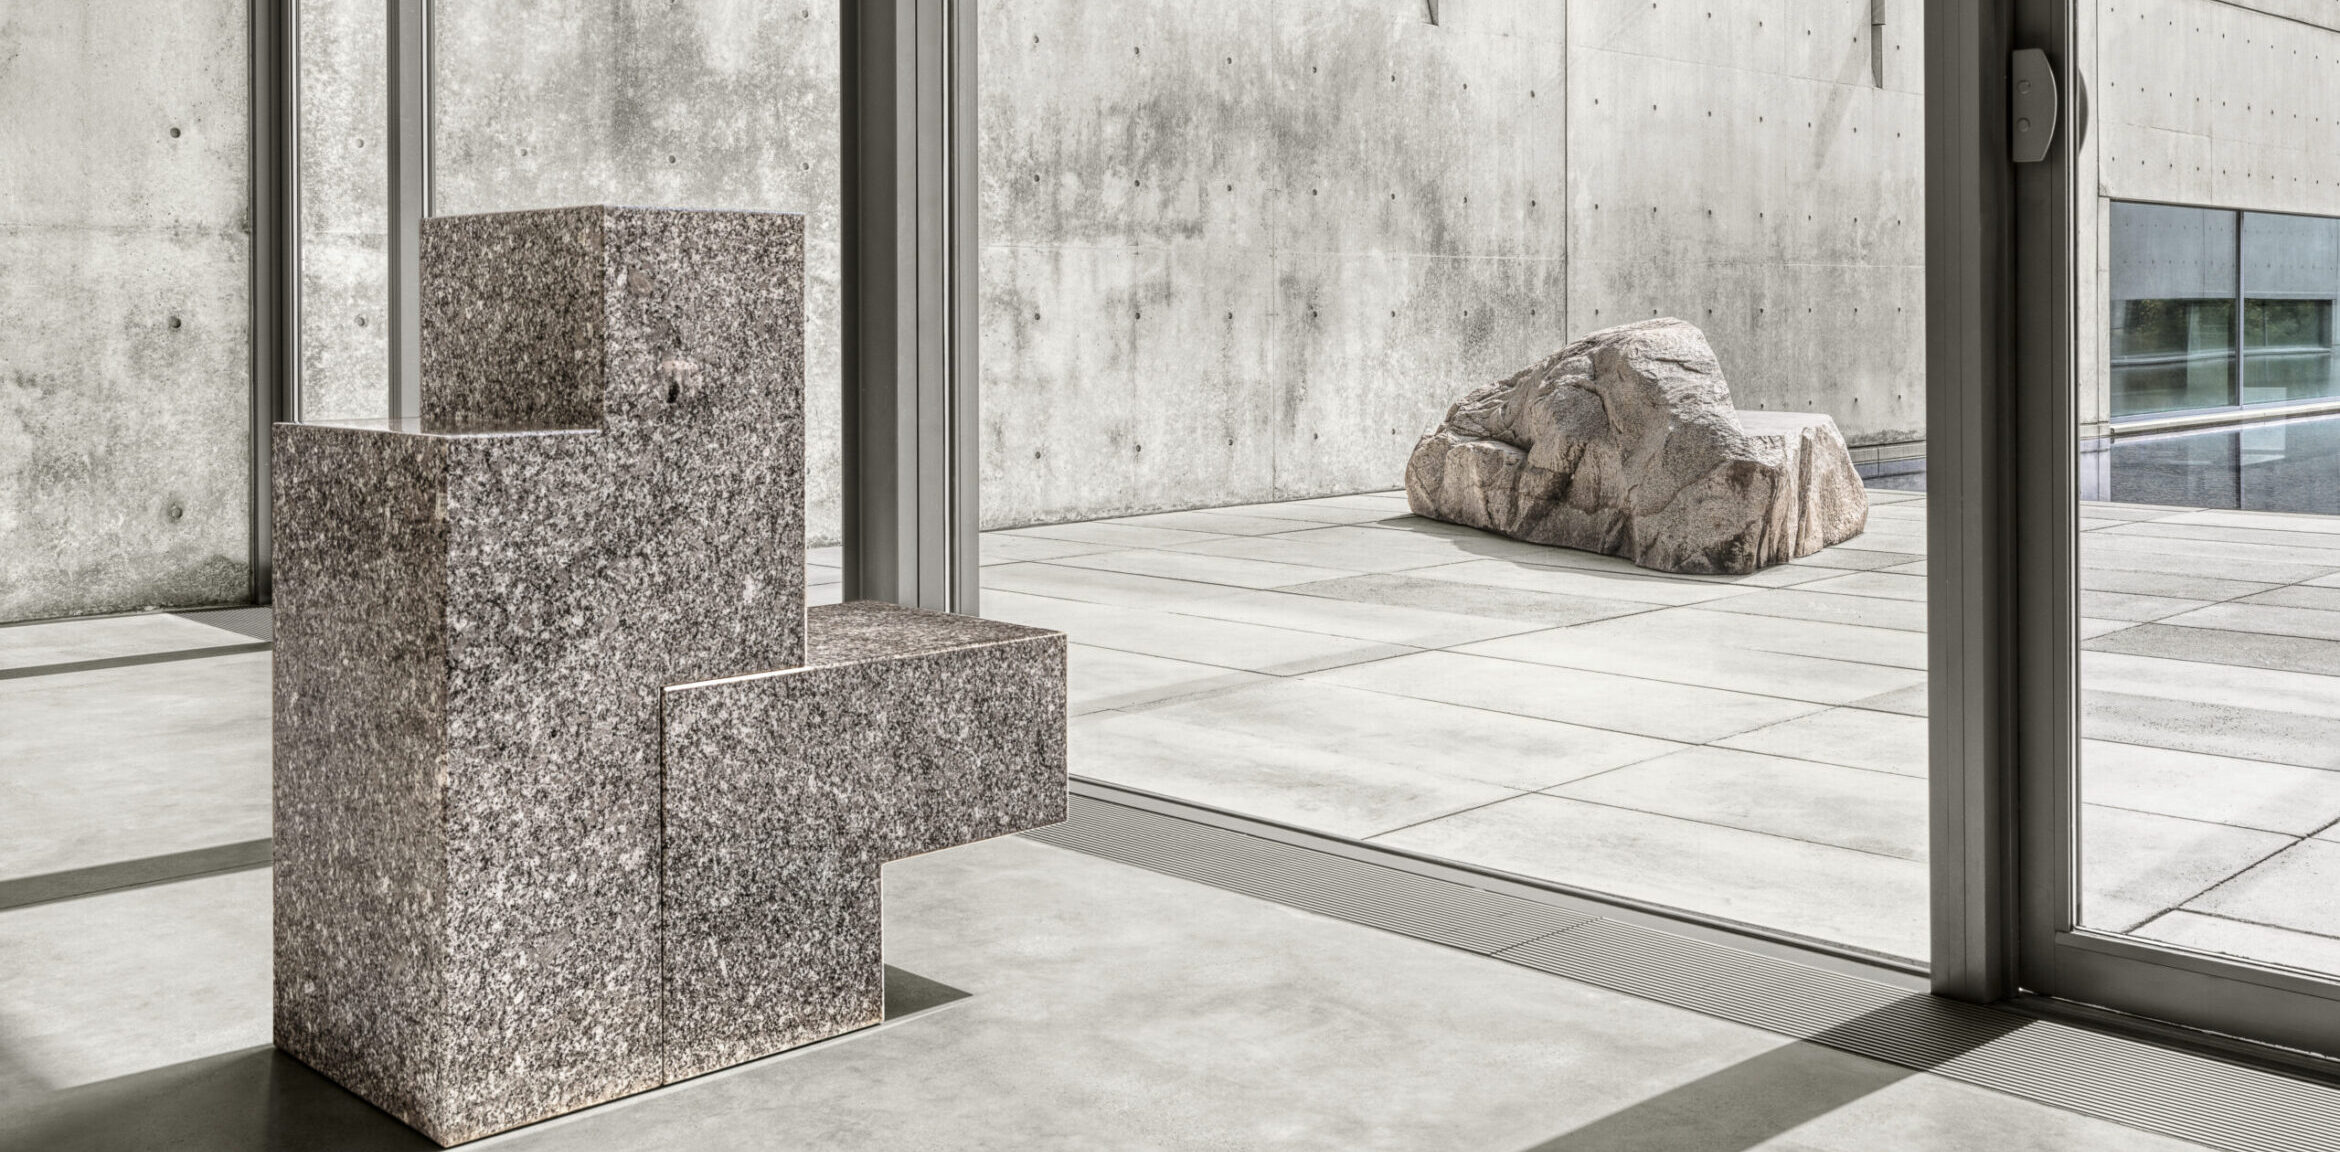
<point x="2043" y="401"/>
<point x="1970" y="592"/>
<point x="275" y="275"/>
<point x="932" y="18"/>
<point x="407" y="33"/>
<point x="910" y="341"/>
<point x="2238" y="375"/>
<point x="964" y="518"/>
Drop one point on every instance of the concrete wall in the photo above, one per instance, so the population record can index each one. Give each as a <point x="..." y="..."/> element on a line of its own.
<point x="124" y="314"/>
<point x="1240" y="253"/>
<point x="703" y="104"/>
<point x="1232" y="252"/>
<point x="1243" y="252"/>
<point x="1740" y="166"/>
<point x="2216" y="103"/>
<point x="344" y="211"/>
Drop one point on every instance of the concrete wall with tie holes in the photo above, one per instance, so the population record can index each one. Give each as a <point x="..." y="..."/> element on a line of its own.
<point x="125" y="325"/>
<point x="1232" y="252"/>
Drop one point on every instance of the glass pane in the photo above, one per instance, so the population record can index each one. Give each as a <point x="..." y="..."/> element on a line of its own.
<point x="2291" y="278"/>
<point x="125" y="316"/>
<point x="1241" y="260"/>
<point x="344" y="211"/>
<point x="700" y="104"/>
<point x="2172" y="311"/>
<point x="2209" y="585"/>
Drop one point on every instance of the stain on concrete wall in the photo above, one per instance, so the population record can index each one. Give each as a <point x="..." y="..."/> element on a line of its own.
<point x="1249" y="252"/>
<point x="344" y="211"/>
<point x="124" y="315"/>
<point x="702" y="104"/>
<point x="1738" y="166"/>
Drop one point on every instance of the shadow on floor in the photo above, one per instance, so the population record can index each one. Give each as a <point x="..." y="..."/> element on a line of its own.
<point x="1740" y="1107"/>
<point x="239" y="1102"/>
<point x="261" y="1100"/>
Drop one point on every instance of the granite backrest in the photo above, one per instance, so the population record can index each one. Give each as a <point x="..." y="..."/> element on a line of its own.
<point x="607" y="317"/>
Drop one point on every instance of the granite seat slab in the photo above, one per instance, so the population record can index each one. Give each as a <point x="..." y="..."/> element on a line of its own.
<point x="908" y="732"/>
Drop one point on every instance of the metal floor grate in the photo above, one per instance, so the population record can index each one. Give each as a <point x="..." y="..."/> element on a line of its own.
<point x="2110" y="1077"/>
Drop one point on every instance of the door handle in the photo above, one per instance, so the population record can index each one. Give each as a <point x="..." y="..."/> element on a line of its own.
<point x="2032" y="105"/>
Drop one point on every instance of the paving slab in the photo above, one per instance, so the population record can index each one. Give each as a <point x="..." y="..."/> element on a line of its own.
<point x="1570" y="695"/>
<point x="1357" y="619"/>
<point x="1098" y="586"/>
<point x="2224" y="646"/>
<point x="1706" y="663"/>
<point x="1277" y="780"/>
<point x="2298" y="694"/>
<point x="1394" y="552"/>
<point x="1008" y="548"/>
<point x="1405" y="591"/>
<point x="1798" y="799"/>
<point x="2136" y="865"/>
<point x="2269" y="619"/>
<point x="1518" y="752"/>
<point x="1813" y="890"/>
<point x="1102" y="678"/>
<point x="1590" y="584"/>
<point x="2216" y="729"/>
<point x="1802" y="604"/>
<point x="1229" y="571"/>
<point x="2297" y="888"/>
<point x="1889" y="585"/>
<point x="1111" y="532"/>
<point x="2279" y="798"/>
<point x="2282" y="946"/>
<point x="123" y="763"/>
<point x="106" y="638"/>
<point x="1194" y="639"/>
<point x="1854" y="737"/>
<point x="114" y="984"/>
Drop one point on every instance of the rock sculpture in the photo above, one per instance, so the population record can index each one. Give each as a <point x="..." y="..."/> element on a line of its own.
<point x="573" y="799"/>
<point x="1626" y="443"/>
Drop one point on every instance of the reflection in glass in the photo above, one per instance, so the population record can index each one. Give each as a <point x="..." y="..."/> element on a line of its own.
<point x="2173" y="291"/>
<point x="2210" y="671"/>
<point x="2291" y="277"/>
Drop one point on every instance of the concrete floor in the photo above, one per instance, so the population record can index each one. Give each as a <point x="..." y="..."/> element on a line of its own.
<point x="1108" y="1007"/>
<point x="1603" y="712"/>
<point x="1752" y="748"/>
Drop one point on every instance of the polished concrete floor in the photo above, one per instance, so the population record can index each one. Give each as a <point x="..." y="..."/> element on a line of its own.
<point x="1105" y="1007"/>
<point x="1751" y="748"/>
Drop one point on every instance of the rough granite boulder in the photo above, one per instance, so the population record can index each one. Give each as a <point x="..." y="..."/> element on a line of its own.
<point x="1625" y="442"/>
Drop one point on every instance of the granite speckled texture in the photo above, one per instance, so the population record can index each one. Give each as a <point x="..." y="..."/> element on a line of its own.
<point x="487" y="860"/>
<point x="467" y="703"/>
<point x="911" y="732"/>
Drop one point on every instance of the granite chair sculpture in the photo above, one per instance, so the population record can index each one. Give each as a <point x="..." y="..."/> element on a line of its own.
<point x="574" y="798"/>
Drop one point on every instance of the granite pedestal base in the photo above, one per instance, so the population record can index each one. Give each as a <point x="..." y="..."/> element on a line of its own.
<point x="566" y="808"/>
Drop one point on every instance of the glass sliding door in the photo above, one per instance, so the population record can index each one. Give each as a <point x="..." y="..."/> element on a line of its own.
<point x="2178" y="785"/>
<point x="1240" y="263"/>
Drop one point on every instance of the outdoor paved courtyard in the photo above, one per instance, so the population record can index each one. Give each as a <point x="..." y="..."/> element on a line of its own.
<point x="1748" y="747"/>
<point x="1751" y="748"/>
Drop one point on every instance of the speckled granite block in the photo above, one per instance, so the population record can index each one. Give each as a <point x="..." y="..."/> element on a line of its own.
<point x="911" y="731"/>
<point x="477" y="614"/>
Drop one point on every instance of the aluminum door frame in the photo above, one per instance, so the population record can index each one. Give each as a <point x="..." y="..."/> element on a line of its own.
<point x="2002" y="370"/>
